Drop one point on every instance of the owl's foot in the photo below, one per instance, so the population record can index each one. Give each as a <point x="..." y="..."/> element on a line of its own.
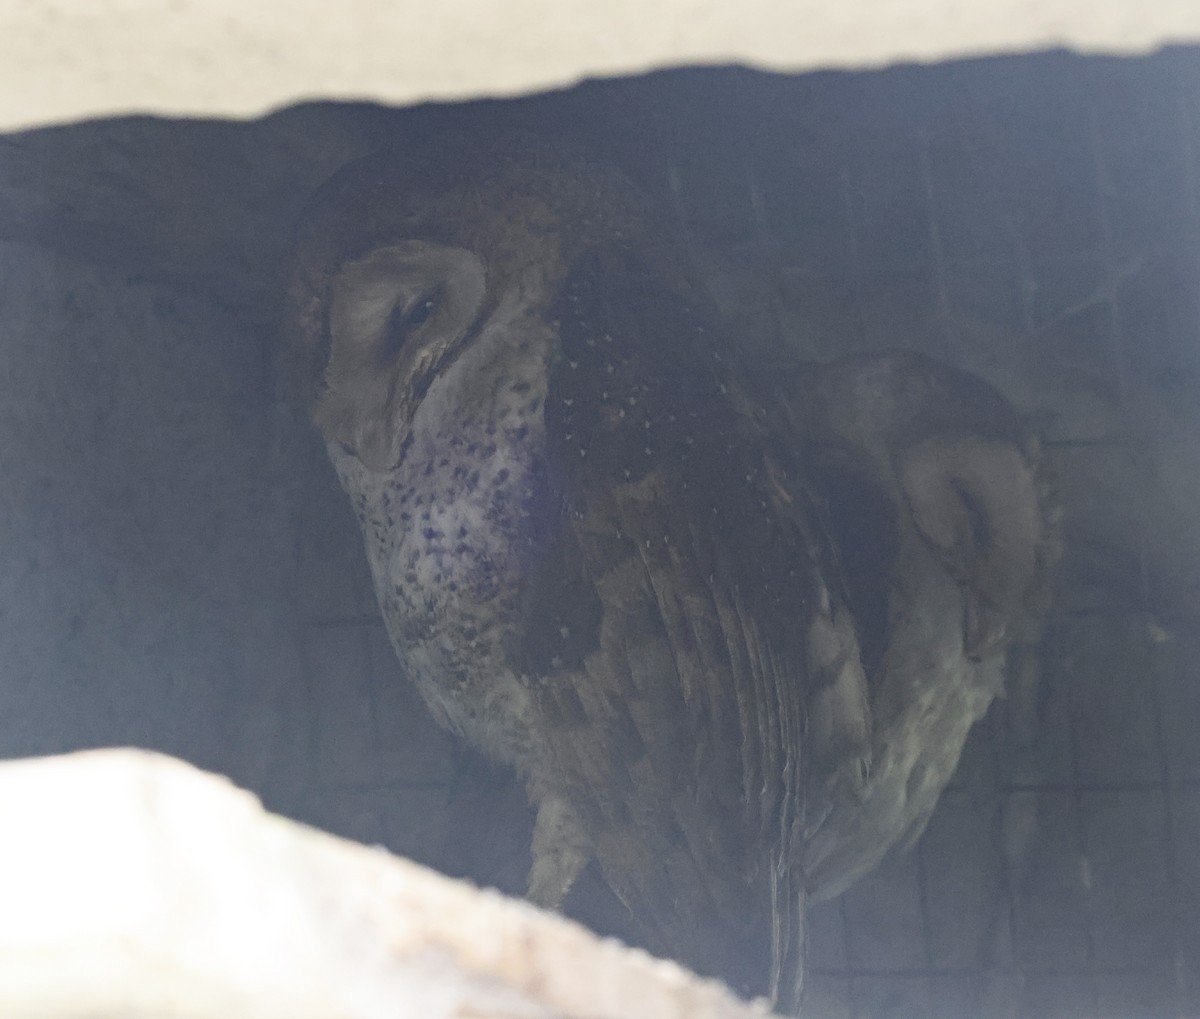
<point x="559" y="853"/>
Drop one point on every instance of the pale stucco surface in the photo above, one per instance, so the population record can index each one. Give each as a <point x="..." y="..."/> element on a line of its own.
<point x="62" y="60"/>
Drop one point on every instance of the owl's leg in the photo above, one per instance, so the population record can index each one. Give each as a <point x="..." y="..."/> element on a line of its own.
<point x="559" y="853"/>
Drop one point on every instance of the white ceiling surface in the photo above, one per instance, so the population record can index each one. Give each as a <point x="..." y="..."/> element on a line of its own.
<point x="63" y="60"/>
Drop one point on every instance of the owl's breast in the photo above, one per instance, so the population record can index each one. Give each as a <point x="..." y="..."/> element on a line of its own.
<point x="453" y="531"/>
<point x="454" y="527"/>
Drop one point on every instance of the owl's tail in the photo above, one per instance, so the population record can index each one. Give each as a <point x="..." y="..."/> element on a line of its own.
<point x="788" y="944"/>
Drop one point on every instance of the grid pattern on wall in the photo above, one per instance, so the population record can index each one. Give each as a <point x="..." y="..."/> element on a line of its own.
<point x="1035" y="220"/>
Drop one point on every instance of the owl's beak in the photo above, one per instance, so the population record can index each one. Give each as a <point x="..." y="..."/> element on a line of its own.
<point x="379" y="449"/>
<point x="984" y="626"/>
<point x="377" y="444"/>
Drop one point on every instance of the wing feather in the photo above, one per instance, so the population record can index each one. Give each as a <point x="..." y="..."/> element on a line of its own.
<point x="688" y="765"/>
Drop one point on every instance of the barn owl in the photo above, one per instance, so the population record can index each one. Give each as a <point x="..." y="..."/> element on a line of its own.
<point x="731" y="632"/>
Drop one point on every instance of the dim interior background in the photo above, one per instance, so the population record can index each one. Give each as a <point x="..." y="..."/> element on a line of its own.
<point x="181" y="572"/>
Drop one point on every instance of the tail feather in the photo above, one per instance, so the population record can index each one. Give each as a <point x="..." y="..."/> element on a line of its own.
<point x="788" y="946"/>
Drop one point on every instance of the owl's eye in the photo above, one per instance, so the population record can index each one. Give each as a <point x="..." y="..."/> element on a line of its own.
<point x="406" y="320"/>
<point x="977" y="518"/>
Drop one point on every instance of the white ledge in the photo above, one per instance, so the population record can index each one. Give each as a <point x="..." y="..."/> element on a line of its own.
<point x="134" y="884"/>
<point x="67" y="59"/>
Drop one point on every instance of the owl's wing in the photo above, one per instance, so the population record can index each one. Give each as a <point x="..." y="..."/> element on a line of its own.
<point x="683" y="639"/>
<point x="947" y="534"/>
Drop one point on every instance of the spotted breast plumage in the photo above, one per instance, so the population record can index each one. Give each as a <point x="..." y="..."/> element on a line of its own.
<point x="731" y="631"/>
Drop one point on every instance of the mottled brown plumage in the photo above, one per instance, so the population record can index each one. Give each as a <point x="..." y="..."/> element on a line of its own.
<point x="612" y="559"/>
<point x="947" y="535"/>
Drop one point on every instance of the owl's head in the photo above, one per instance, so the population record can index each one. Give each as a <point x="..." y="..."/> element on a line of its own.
<point x="403" y="258"/>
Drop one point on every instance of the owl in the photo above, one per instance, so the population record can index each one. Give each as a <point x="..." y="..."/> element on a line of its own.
<point x="730" y="630"/>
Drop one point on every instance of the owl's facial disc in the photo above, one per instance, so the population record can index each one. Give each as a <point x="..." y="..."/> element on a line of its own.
<point x="975" y="499"/>
<point x="395" y="316"/>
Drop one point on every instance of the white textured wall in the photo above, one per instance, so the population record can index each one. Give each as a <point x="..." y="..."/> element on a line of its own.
<point x="67" y="59"/>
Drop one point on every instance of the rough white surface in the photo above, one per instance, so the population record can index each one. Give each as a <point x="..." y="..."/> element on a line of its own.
<point x="67" y="59"/>
<point x="132" y="884"/>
